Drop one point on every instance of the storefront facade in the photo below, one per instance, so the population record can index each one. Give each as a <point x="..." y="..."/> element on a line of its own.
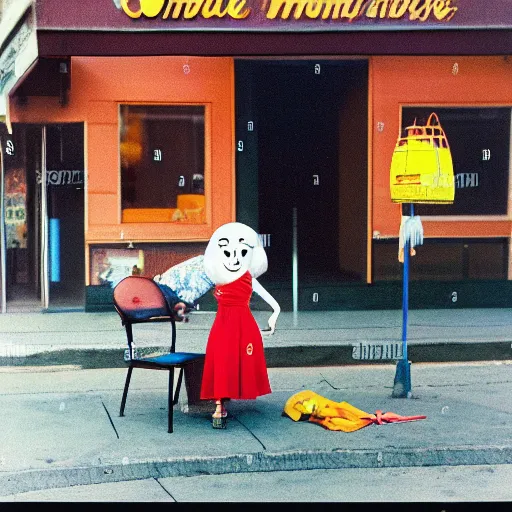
<point x="130" y="135"/>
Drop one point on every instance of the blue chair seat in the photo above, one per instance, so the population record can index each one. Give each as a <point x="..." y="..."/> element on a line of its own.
<point x="172" y="358"/>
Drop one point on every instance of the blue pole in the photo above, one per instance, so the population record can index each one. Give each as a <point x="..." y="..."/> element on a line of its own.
<point x="405" y="299"/>
<point x="402" y="385"/>
<point x="405" y="293"/>
<point x="54" y="250"/>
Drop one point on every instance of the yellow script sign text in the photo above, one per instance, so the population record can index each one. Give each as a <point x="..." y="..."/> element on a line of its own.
<point x="349" y="10"/>
<point x="188" y="9"/>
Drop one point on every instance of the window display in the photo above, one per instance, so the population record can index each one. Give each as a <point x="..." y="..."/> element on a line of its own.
<point x="113" y="262"/>
<point x="480" y="147"/>
<point x="162" y="151"/>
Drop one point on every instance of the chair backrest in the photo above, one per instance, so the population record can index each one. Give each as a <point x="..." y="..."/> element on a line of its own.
<point x="139" y="299"/>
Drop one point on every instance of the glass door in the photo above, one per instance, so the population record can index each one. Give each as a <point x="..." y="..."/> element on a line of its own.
<point x="42" y="258"/>
<point x="19" y="288"/>
<point x="62" y="217"/>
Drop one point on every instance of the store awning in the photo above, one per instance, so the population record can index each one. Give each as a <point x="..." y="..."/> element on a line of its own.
<point x="18" y="49"/>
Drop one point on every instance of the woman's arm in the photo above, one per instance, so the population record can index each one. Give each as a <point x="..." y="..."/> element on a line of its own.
<point x="256" y="286"/>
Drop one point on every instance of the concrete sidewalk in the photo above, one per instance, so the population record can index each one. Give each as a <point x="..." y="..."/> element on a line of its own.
<point x="61" y="425"/>
<point x="309" y="338"/>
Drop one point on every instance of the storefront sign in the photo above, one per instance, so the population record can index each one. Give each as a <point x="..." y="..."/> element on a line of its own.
<point x="272" y="15"/>
<point x="64" y="177"/>
<point x="288" y="9"/>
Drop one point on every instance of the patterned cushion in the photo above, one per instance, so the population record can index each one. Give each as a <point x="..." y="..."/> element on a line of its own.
<point x="187" y="279"/>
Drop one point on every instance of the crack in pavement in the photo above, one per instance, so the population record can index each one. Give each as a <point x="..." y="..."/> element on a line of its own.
<point x="250" y="432"/>
<point x="165" y="490"/>
<point x="110" y="419"/>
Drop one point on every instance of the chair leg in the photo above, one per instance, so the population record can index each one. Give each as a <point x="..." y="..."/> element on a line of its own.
<point x="125" y="392"/>
<point x="178" y="387"/>
<point x="170" y="401"/>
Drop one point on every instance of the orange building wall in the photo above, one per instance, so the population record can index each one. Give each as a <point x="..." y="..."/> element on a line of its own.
<point x="404" y="81"/>
<point x="98" y="85"/>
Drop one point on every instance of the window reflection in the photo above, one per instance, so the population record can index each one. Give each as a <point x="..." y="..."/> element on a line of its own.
<point x="162" y="163"/>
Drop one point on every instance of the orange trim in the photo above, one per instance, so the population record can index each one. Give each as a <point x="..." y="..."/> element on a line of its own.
<point x="467" y="229"/>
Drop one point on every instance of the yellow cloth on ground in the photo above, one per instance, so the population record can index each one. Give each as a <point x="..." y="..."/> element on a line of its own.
<point x="325" y="412"/>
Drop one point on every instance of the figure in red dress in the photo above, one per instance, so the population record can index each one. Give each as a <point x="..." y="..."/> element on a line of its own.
<point x="235" y="364"/>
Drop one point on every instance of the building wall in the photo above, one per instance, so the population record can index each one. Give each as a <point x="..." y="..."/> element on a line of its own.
<point x="98" y="86"/>
<point x="403" y="81"/>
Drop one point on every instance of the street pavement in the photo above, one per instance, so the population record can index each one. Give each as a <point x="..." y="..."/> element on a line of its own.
<point x="61" y="424"/>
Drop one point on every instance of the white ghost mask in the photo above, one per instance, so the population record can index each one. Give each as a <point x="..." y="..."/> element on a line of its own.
<point x="234" y="249"/>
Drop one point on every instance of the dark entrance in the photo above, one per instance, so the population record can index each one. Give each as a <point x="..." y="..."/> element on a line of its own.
<point x="303" y="162"/>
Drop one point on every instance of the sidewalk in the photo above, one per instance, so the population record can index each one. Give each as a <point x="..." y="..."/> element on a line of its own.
<point x="62" y="376"/>
<point x="61" y="425"/>
<point x="96" y="340"/>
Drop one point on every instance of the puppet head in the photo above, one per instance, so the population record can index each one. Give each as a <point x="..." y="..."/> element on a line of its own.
<point x="234" y="249"/>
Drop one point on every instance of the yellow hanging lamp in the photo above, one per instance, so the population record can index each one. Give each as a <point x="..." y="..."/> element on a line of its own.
<point x="422" y="167"/>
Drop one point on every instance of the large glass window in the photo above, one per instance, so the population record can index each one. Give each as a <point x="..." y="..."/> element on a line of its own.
<point x="479" y="140"/>
<point x="162" y="163"/>
<point x="444" y="260"/>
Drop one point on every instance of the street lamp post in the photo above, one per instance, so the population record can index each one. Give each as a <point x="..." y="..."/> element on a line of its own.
<point x="402" y="385"/>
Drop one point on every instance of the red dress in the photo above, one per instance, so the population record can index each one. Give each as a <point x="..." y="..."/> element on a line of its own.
<point x="235" y="364"/>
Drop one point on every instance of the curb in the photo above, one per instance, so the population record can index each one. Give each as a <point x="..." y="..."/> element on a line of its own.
<point x="35" y="480"/>
<point x="333" y="355"/>
<point x="288" y="357"/>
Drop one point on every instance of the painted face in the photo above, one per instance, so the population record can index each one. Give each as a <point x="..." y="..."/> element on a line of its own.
<point x="233" y="250"/>
<point x="235" y="254"/>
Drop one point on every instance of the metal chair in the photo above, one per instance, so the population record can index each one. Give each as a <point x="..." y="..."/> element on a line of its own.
<point x="139" y="300"/>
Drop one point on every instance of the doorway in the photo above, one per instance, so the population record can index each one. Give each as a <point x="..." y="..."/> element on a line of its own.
<point x="43" y="178"/>
<point x="302" y="169"/>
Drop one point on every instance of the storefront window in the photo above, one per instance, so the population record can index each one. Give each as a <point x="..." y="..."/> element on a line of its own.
<point x="111" y="263"/>
<point x="444" y="260"/>
<point x="162" y="163"/>
<point x="479" y="140"/>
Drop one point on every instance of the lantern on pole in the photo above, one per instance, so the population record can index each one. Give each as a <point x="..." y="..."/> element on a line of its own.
<point x="421" y="172"/>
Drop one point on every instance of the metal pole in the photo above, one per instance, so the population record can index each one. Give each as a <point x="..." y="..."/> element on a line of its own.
<point x="405" y="299"/>
<point x="44" y="226"/>
<point x="295" y="266"/>
<point x="402" y="384"/>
